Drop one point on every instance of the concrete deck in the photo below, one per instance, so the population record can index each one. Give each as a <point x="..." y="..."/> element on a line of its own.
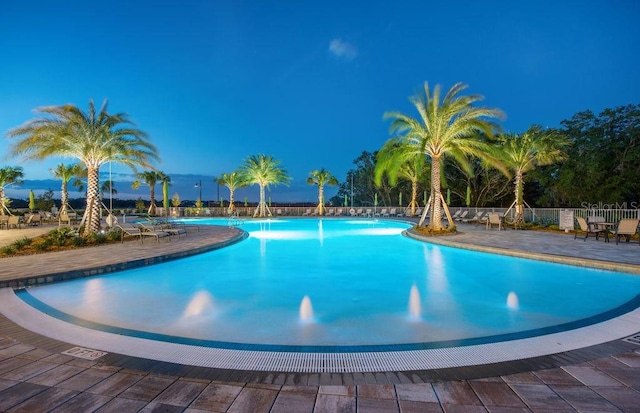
<point x="36" y="376"/>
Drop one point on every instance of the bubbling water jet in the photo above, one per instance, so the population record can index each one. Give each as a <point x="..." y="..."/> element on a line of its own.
<point x="512" y="301"/>
<point x="306" y="310"/>
<point x="414" y="304"/>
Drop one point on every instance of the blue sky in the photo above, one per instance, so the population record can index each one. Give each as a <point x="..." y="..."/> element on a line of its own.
<point x="213" y="82"/>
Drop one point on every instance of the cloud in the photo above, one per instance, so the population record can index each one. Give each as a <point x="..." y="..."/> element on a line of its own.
<point x="343" y="49"/>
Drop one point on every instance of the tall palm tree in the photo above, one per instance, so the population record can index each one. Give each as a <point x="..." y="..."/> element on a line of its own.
<point x="321" y="178"/>
<point x="8" y="175"/>
<point x="396" y="162"/>
<point x="232" y="181"/>
<point x="263" y="170"/>
<point x="149" y="178"/>
<point x="166" y="181"/>
<point x="67" y="173"/>
<point x="93" y="138"/>
<point x="446" y="127"/>
<point x="522" y="153"/>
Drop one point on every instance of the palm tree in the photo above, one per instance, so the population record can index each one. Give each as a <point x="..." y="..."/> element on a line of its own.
<point x="263" y="170"/>
<point x="393" y="161"/>
<point x="166" y="181"/>
<point x="8" y="175"/>
<point x="232" y="181"/>
<point x="321" y="178"/>
<point x="93" y="138"/>
<point x="522" y="153"/>
<point x="149" y="178"/>
<point x="66" y="173"/>
<point x="447" y="127"/>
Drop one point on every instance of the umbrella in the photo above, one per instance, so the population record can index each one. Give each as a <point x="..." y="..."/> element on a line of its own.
<point x="165" y="194"/>
<point x="32" y="200"/>
<point x="246" y="204"/>
<point x="400" y="199"/>
<point x="425" y="198"/>
<point x="269" y="202"/>
<point x="346" y="200"/>
<point x="468" y="200"/>
<point x="448" y="196"/>
<point x="221" y="201"/>
<point x="375" y="200"/>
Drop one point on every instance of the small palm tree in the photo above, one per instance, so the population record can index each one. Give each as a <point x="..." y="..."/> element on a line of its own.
<point x="67" y="173"/>
<point x="263" y="170"/>
<point x="446" y="127"/>
<point x="232" y="181"/>
<point x="149" y="178"/>
<point x="522" y="153"/>
<point x="93" y="138"/>
<point x="321" y="178"/>
<point x="396" y="162"/>
<point x="8" y="175"/>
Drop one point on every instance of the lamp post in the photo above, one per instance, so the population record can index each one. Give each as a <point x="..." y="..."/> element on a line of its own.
<point x="199" y="186"/>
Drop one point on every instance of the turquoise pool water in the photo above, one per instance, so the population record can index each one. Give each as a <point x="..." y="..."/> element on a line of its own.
<point x="366" y="285"/>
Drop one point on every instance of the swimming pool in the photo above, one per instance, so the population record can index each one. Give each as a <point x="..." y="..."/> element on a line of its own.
<point x="339" y="285"/>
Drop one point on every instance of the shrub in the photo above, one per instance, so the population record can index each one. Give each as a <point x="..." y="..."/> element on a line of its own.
<point x="78" y="241"/>
<point x="98" y="238"/>
<point x="60" y="236"/>
<point x="8" y="249"/>
<point x="19" y="244"/>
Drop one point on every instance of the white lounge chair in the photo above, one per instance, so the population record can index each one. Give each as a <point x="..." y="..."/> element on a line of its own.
<point x="384" y="212"/>
<point x="462" y="216"/>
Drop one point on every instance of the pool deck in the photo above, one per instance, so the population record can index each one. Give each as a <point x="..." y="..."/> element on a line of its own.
<point x="35" y="375"/>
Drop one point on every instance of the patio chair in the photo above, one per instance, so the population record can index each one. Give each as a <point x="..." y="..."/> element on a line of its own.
<point x="462" y="216"/>
<point x="456" y="215"/>
<point x="626" y="228"/>
<point x="588" y="229"/>
<point x="14" y="221"/>
<point x="494" y="218"/>
<point x="33" y="220"/>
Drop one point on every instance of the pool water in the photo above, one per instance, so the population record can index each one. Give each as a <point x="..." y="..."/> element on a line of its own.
<point x="366" y="285"/>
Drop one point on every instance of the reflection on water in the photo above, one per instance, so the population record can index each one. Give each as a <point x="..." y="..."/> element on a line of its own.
<point x="415" y="308"/>
<point x="512" y="301"/>
<point x="306" y="310"/>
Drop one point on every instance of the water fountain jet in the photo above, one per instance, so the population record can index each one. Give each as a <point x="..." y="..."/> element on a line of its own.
<point x="512" y="301"/>
<point x="414" y="304"/>
<point x="306" y="310"/>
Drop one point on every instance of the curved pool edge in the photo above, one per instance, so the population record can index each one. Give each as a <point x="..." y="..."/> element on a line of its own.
<point x="556" y="259"/>
<point x="31" y="319"/>
<point x="120" y="264"/>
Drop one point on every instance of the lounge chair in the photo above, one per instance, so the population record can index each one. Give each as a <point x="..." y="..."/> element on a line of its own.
<point x="360" y="212"/>
<point x="462" y="216"/>
<point x="418" y="212"/>
<point x="307" y="212"/>
<point x="400" y="213"/>
<point x="456" y="215"/>
<point x="368" y="213"/>
<point x="339" y="212"/>
<point x="33" y="220"/>
<point x="494" y="218"/>
<point x="588" y="229"/>
<point x="384" y="212"/>
<point x="626" y="228"/>
<point x="476" y="218"/>
<point x="331" y="212"/>
<point x="161" y="226"/>
<point x="133" y="230"/>
<point x="392" y="212"/>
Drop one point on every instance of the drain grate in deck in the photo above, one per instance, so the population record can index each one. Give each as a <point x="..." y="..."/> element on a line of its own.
<point x="634" y="339"/>
<point x="84" y="353"/>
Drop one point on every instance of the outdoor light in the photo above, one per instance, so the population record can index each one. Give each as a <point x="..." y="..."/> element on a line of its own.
<point x="199" y="186"/>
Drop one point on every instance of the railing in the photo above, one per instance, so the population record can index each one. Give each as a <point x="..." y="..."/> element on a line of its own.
<point x="541" y="215"/>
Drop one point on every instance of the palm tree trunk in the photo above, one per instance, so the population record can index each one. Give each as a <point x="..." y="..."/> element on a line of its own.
<point x="2" y="201"/>
<point x="64" y="198"/>
<point x="436" y="215"/>
<point x="232" y="206"/>
<point x="92" y="212"/>
<point x="414" y="196"/>
<point x="261" y="210"/>
<point x="519" y="217"/>
<point x="320" y="199"/>
<point x="152" y="195"/>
